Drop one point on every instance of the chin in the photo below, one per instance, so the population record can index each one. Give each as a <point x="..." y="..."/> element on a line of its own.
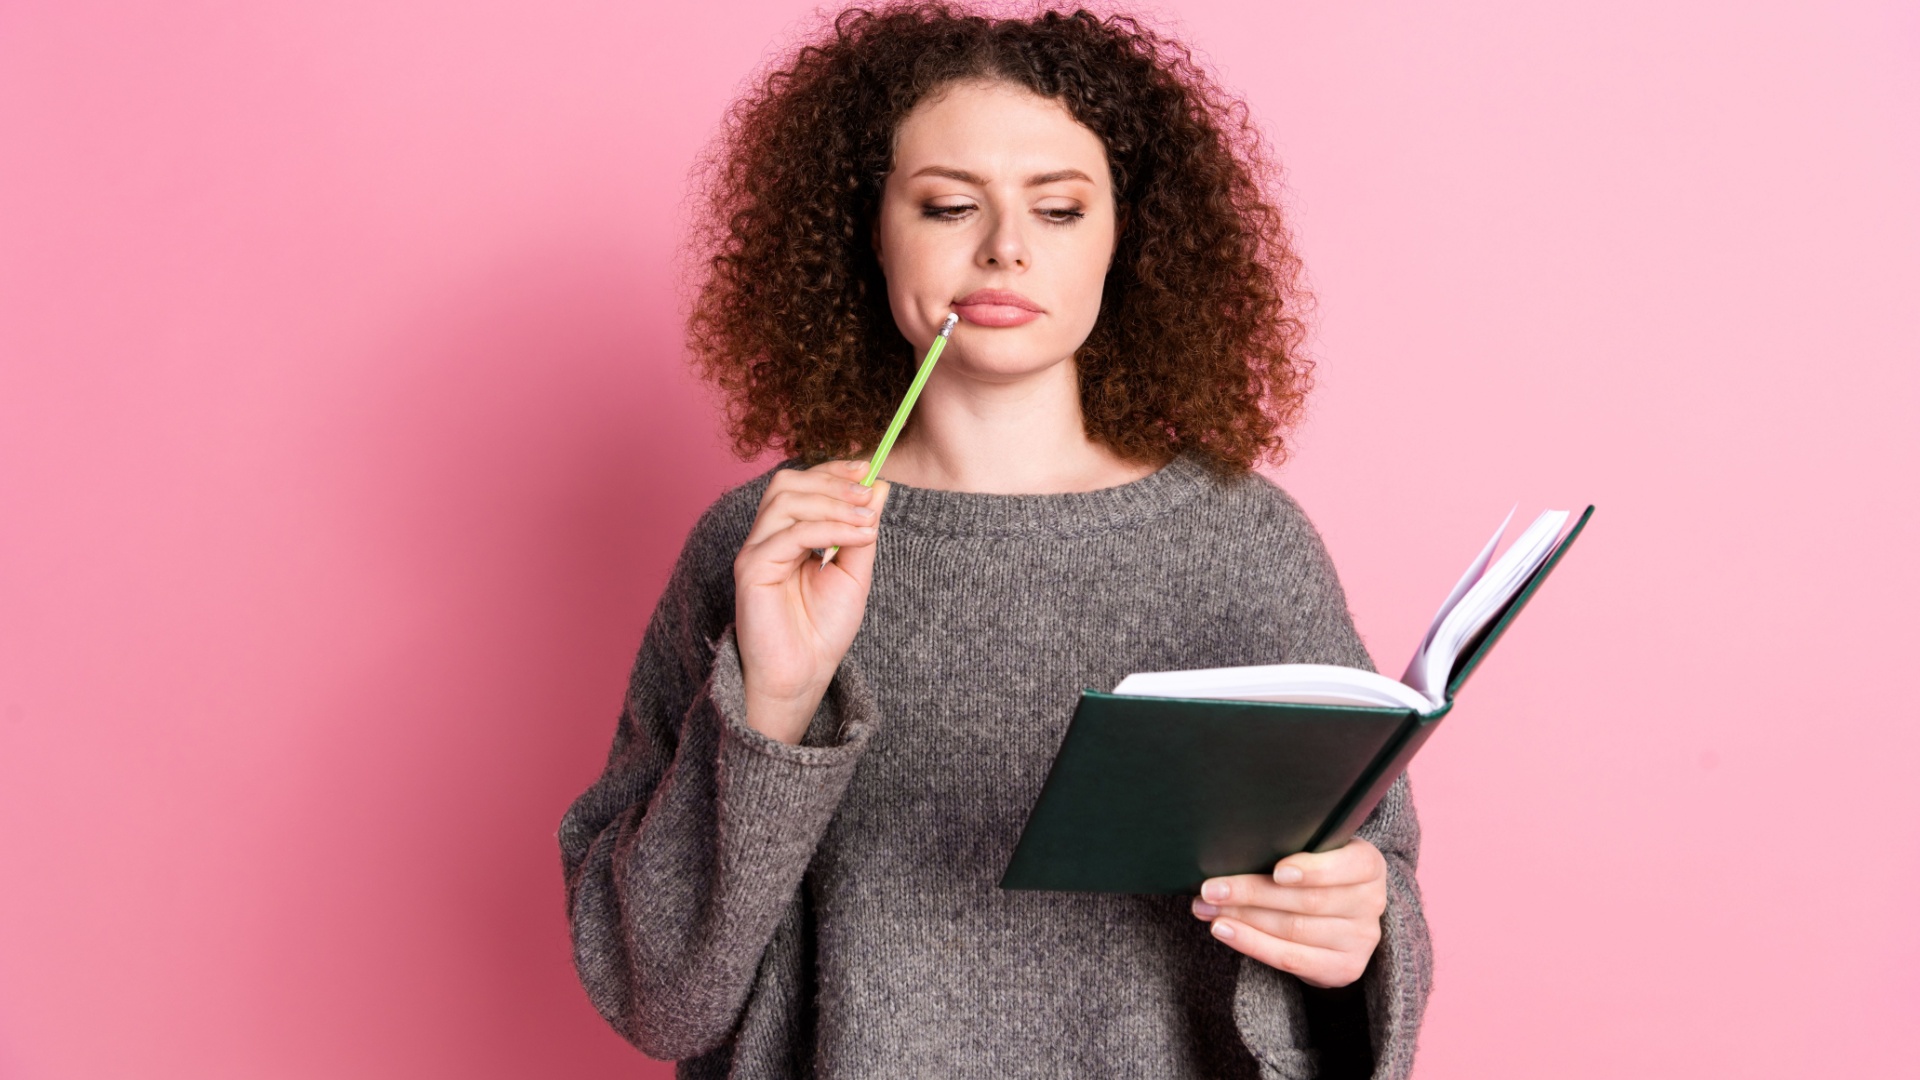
<point x="1012" y="359"/>
<point x="1030" y="346"/>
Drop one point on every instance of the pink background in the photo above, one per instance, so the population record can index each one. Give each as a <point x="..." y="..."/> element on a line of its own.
<point x="345" y="442"/>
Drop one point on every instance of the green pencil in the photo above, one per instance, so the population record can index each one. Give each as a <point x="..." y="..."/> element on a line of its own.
<point x="900" y="414"/>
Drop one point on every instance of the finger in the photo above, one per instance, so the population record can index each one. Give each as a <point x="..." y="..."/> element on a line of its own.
<point x="1337" y="932"/>
<point x="1351" y="864"/>
<point x="1258" y="890"/>
<point x="1314" y="965"/>
<point x="825" y="478"/>
<point x="858" y="561"/>
<point x="788" y="507"/>
<point x="773" y="559"/>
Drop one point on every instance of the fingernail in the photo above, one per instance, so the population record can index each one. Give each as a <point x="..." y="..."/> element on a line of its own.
<point x="1214" y="890"/>
<point x="1222" y="930"/>
<point x="856" y="488"/>
<point x="863" y="511"/>
<point x="1204" y="909"/>
<point x="1287" y="875"/>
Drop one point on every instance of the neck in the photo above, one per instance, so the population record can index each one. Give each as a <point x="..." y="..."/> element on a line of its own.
<point x="1018" y="437"/>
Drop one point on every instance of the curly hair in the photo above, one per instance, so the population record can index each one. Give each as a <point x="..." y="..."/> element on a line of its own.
<point x="1197" y="345"/>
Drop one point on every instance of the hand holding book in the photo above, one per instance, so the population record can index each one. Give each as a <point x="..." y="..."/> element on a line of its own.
<point x="1316" y="916"/>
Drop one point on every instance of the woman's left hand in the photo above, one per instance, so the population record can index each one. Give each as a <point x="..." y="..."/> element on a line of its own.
<point x="1317" y="915"/>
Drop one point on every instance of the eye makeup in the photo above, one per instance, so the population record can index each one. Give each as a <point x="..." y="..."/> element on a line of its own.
<point x="939" y="213"/>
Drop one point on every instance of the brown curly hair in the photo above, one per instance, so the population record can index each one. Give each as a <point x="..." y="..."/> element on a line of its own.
<point x="1197" y="345"/>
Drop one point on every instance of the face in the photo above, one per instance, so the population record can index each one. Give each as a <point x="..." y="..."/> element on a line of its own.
<point x="999" y="208"/>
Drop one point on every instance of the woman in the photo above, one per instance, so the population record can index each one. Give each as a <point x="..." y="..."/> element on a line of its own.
<point x="789" y="865"/>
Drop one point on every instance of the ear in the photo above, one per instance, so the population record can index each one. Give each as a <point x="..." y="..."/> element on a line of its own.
<point x="873" y="238"/>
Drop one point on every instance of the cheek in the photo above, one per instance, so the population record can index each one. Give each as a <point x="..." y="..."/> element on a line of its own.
<point x="917" y="257"/>
<point x="1090" y="262"/>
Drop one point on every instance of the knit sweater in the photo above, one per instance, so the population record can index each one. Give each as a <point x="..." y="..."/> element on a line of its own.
<point x="830" y="909"/>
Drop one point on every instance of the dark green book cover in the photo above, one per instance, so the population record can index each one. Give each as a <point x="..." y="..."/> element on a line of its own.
<point x="1156" y="795"/>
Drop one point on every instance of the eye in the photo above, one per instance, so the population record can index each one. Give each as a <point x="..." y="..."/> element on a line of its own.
<point x="946" y="213"/>
<point x="1063" y="216"/>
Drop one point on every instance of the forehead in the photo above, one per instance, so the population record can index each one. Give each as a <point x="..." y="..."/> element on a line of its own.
<point x="996" y="129"/>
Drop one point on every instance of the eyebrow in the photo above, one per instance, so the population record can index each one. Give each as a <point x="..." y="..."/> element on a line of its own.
<point x="1035" y="180"/>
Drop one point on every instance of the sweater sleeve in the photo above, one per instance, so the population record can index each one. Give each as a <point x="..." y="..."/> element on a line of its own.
<point x="681" y="860"/>
<point x="1271" y="1006"/>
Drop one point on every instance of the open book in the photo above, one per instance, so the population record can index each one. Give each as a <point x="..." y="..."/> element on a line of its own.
<point x="1177" y="776"/>
<point x="1480" y="597"/>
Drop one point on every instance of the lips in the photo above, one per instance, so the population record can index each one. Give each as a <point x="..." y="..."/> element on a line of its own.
<point x="996" y="298"/>
<point x="996" y="307"/>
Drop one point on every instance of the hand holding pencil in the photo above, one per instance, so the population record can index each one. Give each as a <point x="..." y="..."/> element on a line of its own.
<point x="795" y="618"/>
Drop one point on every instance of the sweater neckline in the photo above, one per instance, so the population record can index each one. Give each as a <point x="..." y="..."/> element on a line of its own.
<point x="1067" y="513"/>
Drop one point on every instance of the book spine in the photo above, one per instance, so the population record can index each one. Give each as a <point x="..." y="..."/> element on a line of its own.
<point x="1372" y="786"/>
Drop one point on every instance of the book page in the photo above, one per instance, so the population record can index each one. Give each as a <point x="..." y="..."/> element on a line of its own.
<point x="1485" y="599"/>
<point x="1416" y="668"/>
<point x="1314" y="684"/>
<point x="1480" y="594"/>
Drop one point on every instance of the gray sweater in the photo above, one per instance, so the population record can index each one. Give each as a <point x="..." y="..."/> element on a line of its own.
<point x="758" y="909"/>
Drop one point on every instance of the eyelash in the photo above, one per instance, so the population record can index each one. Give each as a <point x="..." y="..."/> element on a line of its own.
<point x="939" y="213"/>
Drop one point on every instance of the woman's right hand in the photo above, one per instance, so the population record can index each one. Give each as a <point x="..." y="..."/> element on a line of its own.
<point x="794" y="619"/>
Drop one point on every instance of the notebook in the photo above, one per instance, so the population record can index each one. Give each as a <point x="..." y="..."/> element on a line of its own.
<point x="1174" y="777"/>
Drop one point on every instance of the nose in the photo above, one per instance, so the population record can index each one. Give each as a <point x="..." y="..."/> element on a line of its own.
<point x="1005" y="244"/>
